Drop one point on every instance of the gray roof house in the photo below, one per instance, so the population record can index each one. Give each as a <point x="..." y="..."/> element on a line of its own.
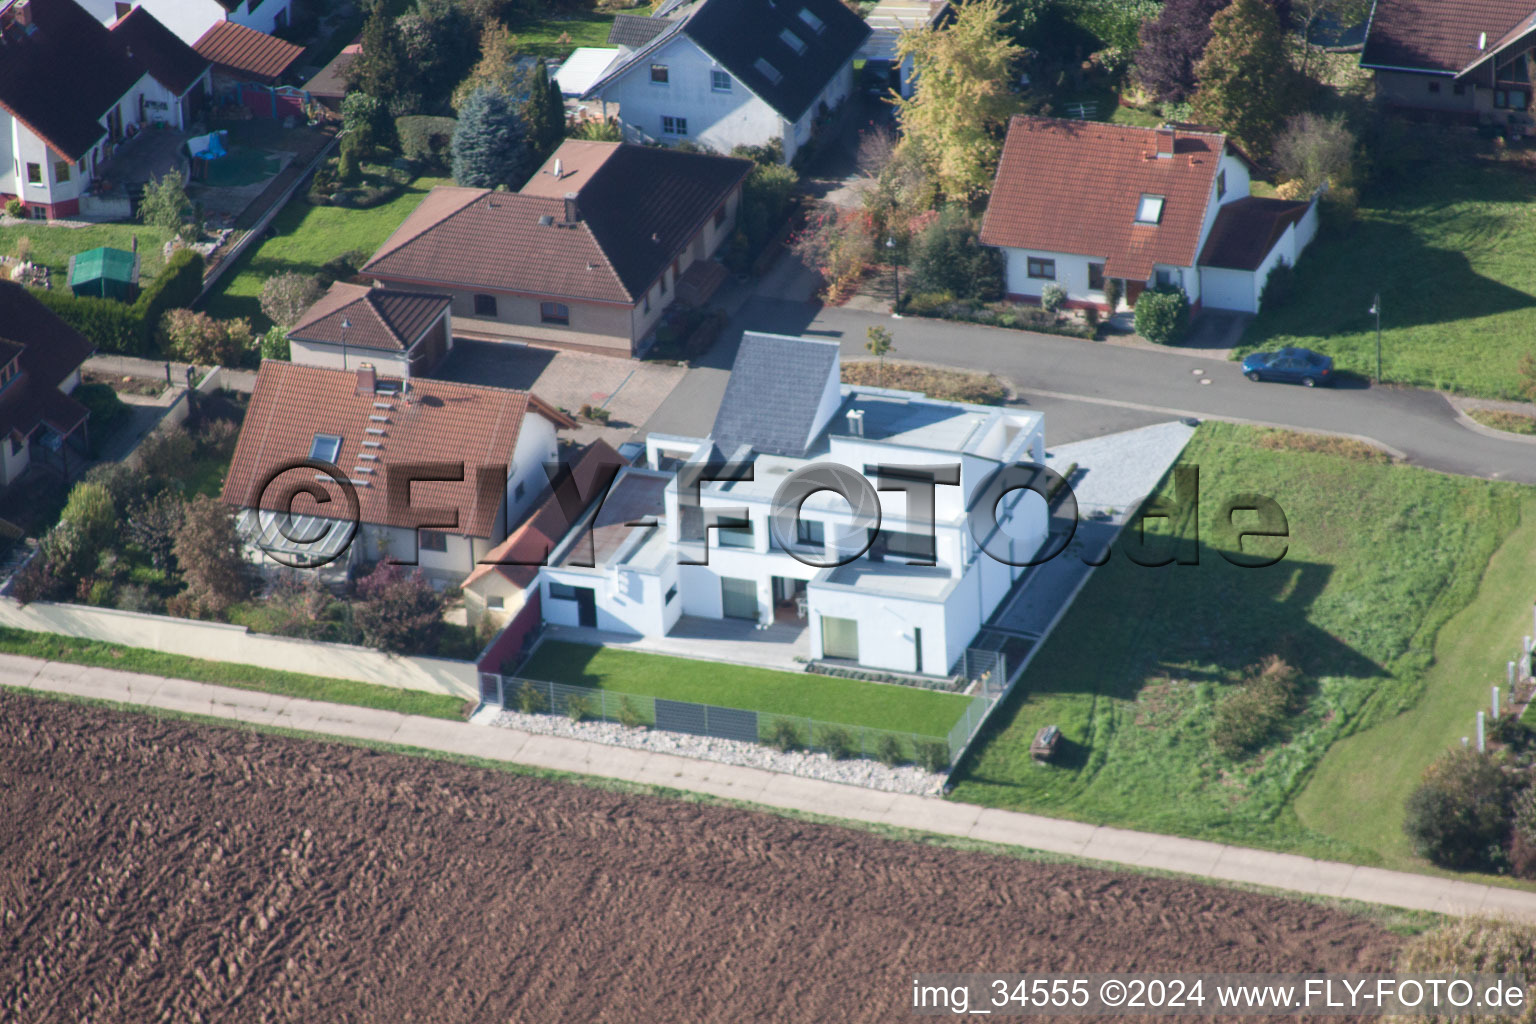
<point x="726" y="73"/>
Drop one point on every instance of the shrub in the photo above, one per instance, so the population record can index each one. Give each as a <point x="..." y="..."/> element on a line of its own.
<point x="579" y="708"/>
<point x="1112" y="293"/>
<point x="163" y="455"/>
<point x="285" y="297"/>
<point x="38" y="581"/>
<point x="595" y="129"/>
<point x="1162" y="315"/>
<point x="1052" y="297"/>
<point x="785" y="735"/>
<point x="274" y="344"/>
<point x="13" y="208"/>
<point x="208" y="552"/>
<point x="165" y="203"/>
<point x="108" y="324"/>
<point x="1522" y="832"/>
<point x="890" y="750"/>
<point x="1248" y="717"/>
<point x="87" y="526"/>
<point x="766" y="199"/>
<point x="398" y="611"/>
<point x="178" y="285"/>
<point x="932" y="755"/>
<point x="1459" y="815"/>
<point x="1091" y="316"/>
<point x="837" y="741"/>
<point x="199" y="338"/>
<point x="426" y="139"/>
<point x="1316" y="149"/>
<point x="1471" y="945"/>
<point x="770" y="154"/>
<point x="629" y="715"/>
<point x="1278" y="286"/>
<point x="927" y="303"/>
<point x="154" y="524"/>
<point x="529" y="700"/>
<point x="947" y="257"/>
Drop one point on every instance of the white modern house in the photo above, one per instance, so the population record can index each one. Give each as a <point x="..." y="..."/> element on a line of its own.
<point x="72" y="90"/>
<point x="726" y="73"/>
<point x="887" y="22"/>
<point x="1080" y="203"/>
<point x="904" y="599"/>
<point x="190" y="19"/>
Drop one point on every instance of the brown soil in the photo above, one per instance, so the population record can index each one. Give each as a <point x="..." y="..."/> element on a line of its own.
<point x="161" y="871"/>
<point x="150" y="386"/>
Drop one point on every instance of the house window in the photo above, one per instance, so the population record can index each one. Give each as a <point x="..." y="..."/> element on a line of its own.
<point x="767" y="70"/>
<point x="35" y="174"/>
<point x="658" y="74"/>
<point x="1434" y="86"/>
<point x="433" y="540"/>
<point x="1043" y="270"/>
<point x="671" y="594"/>
<point x="566" y="592"/>
<point x="734" y="532"/>
<point x="674" y="126"/>
<point x="61" y="170"/>
<point x="1460" y="88"/>
<point x="1150" y="210"/>
<point x="555" y="313"/>
<point x="495" y="603"/>
<point x="1095" y="277"/>
<point x="811" y="532"/>
<point x="720" y="81"/>
<point x="792" y="41"/>
<point x="485" y="305"/>
<point x="325" y="447"/>
<point x="814" y="23"/>
<point x="1221" y="184"/>
<point x="720" y="215"/>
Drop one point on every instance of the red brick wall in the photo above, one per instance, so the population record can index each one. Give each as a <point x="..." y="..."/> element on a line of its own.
<point x="510" y="642"/>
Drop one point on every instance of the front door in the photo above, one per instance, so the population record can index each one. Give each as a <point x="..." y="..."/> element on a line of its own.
<point x="738" y="598"/>
<point x="586" y="606"/>
<point x="1132" y="290"/>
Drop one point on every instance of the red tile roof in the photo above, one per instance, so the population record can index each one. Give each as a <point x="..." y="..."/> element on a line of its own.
<point x="376" y="317"/>
<point x="637" y="207"/>
<point x="247" y="52"/>
<point x="1075" y="187"/>
<point x="532" y="542"/>
<point x="461" y="424"/>
<point x="1437" y="35"/>
<point x="48" y="351"/>
<point x="1247" y="229"/>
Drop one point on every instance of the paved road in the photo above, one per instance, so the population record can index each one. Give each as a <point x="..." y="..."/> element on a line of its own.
<point x="1112" y="846"/>
<point x="1089" y="388"/>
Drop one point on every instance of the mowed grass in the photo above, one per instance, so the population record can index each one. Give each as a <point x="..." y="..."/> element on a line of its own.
<point x="1379" y="558"/>
<point x="304" y="239"/>
<point x="558" y="35"/>
<point x="1452" y="250"/>
<point x="53" y="245"/>
<point x="79" y="651"/>
<point x="824" y="698"/>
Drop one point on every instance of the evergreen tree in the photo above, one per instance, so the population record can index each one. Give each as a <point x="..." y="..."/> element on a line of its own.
<point x="543" y="108"/>
<point x="380" y="68"/>
<point x="491" y="145"/>
<point x="1245" y="76"/>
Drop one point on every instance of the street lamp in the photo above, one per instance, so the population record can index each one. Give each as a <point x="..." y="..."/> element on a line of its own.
<point x="1375" y="311"/>
<point x="890" y="244"/>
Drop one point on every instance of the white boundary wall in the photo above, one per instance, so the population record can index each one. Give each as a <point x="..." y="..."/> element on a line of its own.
<point x="217" y="641"/>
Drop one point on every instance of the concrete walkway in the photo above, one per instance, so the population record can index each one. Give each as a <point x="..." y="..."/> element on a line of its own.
<point x="1113" y="846"/>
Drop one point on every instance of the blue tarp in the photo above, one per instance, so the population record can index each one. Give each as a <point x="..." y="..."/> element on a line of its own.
<point x="209" y="147"/>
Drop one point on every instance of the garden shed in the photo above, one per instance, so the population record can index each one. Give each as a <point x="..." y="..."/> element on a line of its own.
<point x="105" y="273"/>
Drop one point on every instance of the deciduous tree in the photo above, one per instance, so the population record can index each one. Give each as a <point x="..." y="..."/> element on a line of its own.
<point x="165" y="203"/>
<point x="879" y="345"/>
<point x="207" y="550"/>
<point x="285" y="297"/>
<point x="398" y="610"/>
<point x="1244" y="76"/>
<point x="1314" y="149"/>
<point x="199" y="338"/>
<point x="959" y="110"/>
<point x="1173" y="42"/>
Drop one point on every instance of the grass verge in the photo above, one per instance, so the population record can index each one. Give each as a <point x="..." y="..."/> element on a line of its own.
<point x="946" y="385"/>
<point x="1379" y="558"/>
<point x="1500" y="419"/>
<point x="825" y="698"/>
<point x="78" y="651"/>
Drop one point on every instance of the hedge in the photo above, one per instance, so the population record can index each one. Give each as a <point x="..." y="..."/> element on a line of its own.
<point x="944" y="306"/>
<point x="118" y="327"/>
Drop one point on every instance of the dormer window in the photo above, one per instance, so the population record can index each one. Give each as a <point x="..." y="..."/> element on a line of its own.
<point x="325" y="447"/>
<point x="768" y="71"/>
<point x="792" y="41"/>
<point x="815" y="23"/>
<point x="1150" y="211"/>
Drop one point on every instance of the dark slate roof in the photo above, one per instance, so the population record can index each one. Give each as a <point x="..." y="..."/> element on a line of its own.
<point x="1247" y="229"/>
<point x="172" y="62"/>
<point x="1437" y="35"/>
<point x="741" y="34"/>
<point x="776" y="387"/>
<point x="634" y="31"/>
<point x="50" y="350"/>
<point x="60" y="76"/>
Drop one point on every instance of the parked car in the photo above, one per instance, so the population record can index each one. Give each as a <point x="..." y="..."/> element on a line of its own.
<point x="1292" y="365"/>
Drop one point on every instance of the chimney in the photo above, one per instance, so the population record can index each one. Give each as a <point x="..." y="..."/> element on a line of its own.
<point x="1164" y="143"/>
<point x="365" y="378"/>
<point x="572" y="213"/>
<point x="22" y="12"/>
<point x="856" y="422"/>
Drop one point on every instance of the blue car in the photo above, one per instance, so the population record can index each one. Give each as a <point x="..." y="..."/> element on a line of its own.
<point x="1291" y="365"/>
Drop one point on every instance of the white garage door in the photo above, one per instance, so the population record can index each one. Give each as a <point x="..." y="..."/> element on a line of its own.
<point x="1228" y="289"/>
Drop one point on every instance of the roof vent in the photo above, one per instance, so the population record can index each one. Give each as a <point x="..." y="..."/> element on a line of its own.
<point x="559" y="169"/>
<point x="1482" y="41"/>
<point x="856" y="422"/>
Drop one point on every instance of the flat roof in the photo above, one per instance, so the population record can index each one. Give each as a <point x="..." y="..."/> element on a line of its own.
<point x="924" y="582"/>
<point x="914" y="421"/>
<point x="635" y="497"/>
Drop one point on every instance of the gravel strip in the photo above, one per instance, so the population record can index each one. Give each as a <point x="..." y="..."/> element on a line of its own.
<point x="854" y="771"/>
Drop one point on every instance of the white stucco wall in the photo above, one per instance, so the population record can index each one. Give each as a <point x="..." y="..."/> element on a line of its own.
<point x="189" y="19"/>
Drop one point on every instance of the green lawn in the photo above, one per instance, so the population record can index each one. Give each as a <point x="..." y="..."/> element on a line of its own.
<point x="1380" y="557"/>
<point x="52" y="246"/>
<point x="1452" y="250"/>
<point x="246" y="677"/>
<point x="825" y="698"/>
<point x="557" y="36"/>
<point x="305" y="238"/>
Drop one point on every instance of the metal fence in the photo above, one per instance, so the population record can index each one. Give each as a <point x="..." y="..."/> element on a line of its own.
<point x="785" y="731"/>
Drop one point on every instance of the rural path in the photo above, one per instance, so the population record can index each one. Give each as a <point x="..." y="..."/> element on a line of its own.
<point x="1111" y="846"/>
